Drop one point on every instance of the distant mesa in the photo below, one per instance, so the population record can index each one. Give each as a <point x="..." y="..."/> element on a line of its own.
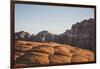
<point x="81" y="34"/>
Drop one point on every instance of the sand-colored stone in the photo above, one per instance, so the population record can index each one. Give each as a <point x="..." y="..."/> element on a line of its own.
<point x="45" y="49"/>
<point x="18" y="54"/>
<point x="39" y="53"/>
<point x="79" y="58"/>
<point x="33" y="59"/>
<point x="82" y="55"/>
<point x="62" y="51"/>
<point x="40" y="59"/>
<point x="22" y="48"/>
<point x="59" y="59"/>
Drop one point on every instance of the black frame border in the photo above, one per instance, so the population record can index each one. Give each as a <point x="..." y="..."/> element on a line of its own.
<point x="12" y="28"/>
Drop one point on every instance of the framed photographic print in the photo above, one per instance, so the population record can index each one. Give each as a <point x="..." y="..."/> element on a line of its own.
<point x="50" y="34"/>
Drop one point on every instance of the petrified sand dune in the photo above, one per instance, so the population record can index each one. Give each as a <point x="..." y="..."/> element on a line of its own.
<point x="33" y="59"/>
<point x="59" y="59"/>
<point x="38" y="53"/>
<point x="44" y="49"/>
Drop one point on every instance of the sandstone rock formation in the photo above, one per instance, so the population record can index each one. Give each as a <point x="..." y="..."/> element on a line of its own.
<point x="40" y="53"/>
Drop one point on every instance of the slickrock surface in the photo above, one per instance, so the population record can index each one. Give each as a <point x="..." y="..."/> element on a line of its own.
<point x="38" y="53"/>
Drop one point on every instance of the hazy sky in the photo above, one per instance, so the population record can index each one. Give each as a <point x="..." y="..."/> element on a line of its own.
<point x="36" y="18"/>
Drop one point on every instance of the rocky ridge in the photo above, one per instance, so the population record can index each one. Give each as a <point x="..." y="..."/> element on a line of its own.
<point x="81" y="34"/>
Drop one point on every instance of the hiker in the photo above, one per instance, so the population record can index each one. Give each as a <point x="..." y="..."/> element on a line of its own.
<point x="43" y="38"/>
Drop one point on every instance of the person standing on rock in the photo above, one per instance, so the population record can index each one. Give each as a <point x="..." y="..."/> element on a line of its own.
<point x="43" y="38"/>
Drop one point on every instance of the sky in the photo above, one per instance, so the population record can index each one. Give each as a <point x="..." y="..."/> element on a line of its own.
<point x="55" y="19"/>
